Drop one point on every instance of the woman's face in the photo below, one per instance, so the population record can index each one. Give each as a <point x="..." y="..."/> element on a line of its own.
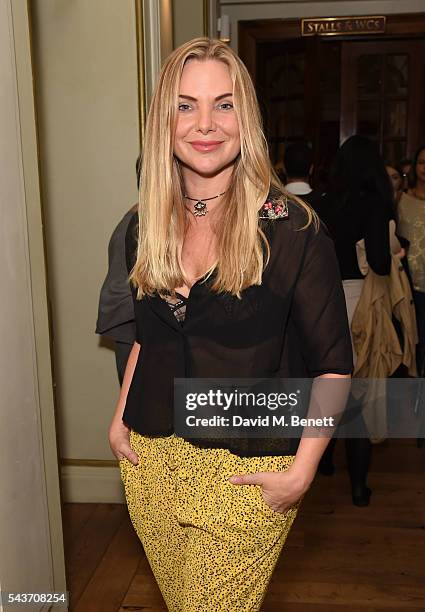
<point x="207" y="133"/>
<point x="420" y="166"/>
<point x="395" y="178"/>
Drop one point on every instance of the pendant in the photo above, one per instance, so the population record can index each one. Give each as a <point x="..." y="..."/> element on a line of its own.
<point x="200" y="209"/>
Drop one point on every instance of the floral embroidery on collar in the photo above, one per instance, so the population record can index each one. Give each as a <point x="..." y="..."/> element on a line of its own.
<point x="276" y="207"/>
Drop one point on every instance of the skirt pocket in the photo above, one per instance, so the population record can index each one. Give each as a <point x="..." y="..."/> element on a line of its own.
<point x="269" y="464"/>
<point x="264" y="507"/>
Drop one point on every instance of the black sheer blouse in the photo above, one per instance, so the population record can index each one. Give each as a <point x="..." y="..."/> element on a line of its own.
<point x="293" y="325"/>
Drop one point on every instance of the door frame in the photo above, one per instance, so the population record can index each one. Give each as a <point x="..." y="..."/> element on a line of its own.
<point x="33" y="531"/>
<point x="251" y="33"/>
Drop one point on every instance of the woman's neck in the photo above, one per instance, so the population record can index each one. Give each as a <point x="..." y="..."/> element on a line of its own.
<point x="418" y="191"/>
<point x="420" y="187"/>
<point x="199" y="187"/>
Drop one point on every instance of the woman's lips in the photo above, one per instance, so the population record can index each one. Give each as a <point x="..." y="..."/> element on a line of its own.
<point x="206" y="147"/>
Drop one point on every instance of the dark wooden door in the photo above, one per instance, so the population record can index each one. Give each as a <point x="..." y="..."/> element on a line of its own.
<point x="383" y="94"/>
<point x="298" y="88"/>
<point x="324" y="89"/>
<point x="281" y="90"/>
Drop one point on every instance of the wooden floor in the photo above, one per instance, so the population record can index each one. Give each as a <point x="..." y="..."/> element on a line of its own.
<point x="338" y="558"/>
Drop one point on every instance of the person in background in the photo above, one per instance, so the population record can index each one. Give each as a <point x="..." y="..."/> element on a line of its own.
<point x="405" y="168"/>
<point x="298" y="165"/>
<point x="280" y="171"/>
<point x="411" y="226"/>
<point x="359" y="205"/>
<point x="396" y="181"/>
<point x="115" y="318"/>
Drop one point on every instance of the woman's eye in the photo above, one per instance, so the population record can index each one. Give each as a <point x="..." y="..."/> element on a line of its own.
<point x="184" y="107"/>
<point x="226" y="106"/>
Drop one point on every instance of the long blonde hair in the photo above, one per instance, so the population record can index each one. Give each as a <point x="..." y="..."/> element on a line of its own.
<point x="162" y="219"/>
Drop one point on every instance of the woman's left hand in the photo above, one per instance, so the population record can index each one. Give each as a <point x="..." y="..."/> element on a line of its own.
<point x="280" y="490"/>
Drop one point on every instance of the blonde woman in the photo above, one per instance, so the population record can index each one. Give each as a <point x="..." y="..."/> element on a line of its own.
<point x="230" y="279"/>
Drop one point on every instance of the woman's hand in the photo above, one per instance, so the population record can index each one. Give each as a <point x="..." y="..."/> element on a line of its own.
<point x="119" y="441"/>
<point x="119" y="433"/>
<point x="400" y="254"/>
<point x="280" y="490"/>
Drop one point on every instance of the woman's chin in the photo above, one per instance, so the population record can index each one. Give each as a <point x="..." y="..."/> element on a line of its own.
<point x="209" y="170"/>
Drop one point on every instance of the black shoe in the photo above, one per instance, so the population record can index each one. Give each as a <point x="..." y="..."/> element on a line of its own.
<point x="361" y="496"/>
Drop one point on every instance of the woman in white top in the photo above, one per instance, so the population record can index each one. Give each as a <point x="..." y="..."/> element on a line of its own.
<point x="411" y="226"/>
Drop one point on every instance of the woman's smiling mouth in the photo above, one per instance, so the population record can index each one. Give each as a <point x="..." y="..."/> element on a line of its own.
<point x="205" y="146"/>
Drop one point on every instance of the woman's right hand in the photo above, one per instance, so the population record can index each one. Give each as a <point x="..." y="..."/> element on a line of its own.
<point x="401" y="254"/>
<point x="119" y="441"/>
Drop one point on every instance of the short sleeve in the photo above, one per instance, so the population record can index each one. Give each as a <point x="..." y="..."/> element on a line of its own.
<point x="318" y="309"/>
<point x="116" y="312"/>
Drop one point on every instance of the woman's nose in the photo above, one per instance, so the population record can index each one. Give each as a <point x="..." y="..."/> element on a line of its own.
<point x="206" y="121"/>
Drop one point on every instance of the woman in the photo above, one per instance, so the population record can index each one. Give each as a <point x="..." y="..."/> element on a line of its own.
<point x="396" y="181"/>
<point x="411" y="226"/>
<point x="230" y="280"/>
<point x="359" y="206"/>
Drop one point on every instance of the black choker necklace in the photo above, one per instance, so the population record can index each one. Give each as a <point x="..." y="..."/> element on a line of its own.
<point x="200" y="208"/>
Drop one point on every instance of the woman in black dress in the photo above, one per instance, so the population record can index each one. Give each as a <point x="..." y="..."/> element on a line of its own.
<point x="358" y="206"/>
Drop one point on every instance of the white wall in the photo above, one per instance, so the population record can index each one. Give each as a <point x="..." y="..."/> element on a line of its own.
<point x="31" y="546"/>
<point x="86" y="80"/>
<point x="286" y="9"/>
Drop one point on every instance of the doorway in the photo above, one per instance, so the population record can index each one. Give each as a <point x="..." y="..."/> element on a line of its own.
<point x="383" y="94"/>
<point x="324" y="89"/>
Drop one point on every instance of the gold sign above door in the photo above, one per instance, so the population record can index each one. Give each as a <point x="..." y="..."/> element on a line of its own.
<point x="341" y="26"/>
